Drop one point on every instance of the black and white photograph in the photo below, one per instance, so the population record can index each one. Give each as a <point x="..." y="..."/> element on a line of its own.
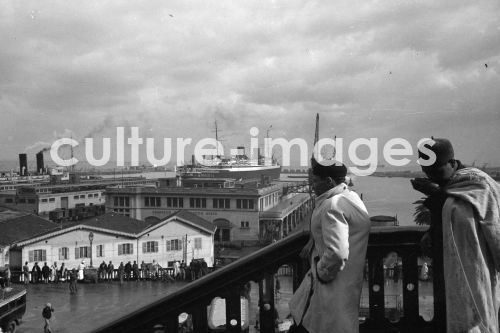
<point x="256" y="166"/>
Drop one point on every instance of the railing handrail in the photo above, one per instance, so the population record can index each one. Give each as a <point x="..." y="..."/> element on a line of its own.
<point x="244" y="269"/>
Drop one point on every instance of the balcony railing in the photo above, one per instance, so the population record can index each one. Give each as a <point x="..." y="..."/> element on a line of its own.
<point x="229" y="283"/>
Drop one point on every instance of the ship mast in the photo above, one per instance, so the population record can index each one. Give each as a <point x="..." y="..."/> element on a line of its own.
<point x="72" y="166"/>
<point x="272" y="153"/>
<point x="316" y="139"/>
<point x="217" y="138"/>
<point x="316" y="135"/>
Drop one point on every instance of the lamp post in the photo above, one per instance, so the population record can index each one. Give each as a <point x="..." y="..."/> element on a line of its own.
<point x="91" y="238"/>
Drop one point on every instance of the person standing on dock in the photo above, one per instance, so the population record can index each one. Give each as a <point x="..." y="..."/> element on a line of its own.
<point x="73" y="276"/>
<point x="135" y="270"/>
<point x="128" y="270"/>
<point x="47" y="314"/>
<point x="328" y="298"/>
<point x="54" y="270"/>
<point x="26" y="273"/>
<point x="81" y="268"/>
<point x="464" y="204"/>
<point x="62" y="273"/>
<point x="45" y="273"/>
<point x="103" y="271"/>
<point x="111" y="271"/>
<point x="121" y="271"/>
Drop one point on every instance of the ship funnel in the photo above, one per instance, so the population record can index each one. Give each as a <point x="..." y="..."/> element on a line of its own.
<point x="240" y="152"/>
<point x="23" y="164"/>
<point x="39" y="162"/>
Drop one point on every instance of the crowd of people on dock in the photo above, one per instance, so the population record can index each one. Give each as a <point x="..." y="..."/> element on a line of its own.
<point x="130" y="271"/>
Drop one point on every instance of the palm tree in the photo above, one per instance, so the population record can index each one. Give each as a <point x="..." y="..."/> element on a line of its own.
<point x="422" y="215"/>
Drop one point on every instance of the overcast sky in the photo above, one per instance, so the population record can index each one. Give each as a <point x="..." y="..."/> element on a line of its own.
<point x="380" y="69"/>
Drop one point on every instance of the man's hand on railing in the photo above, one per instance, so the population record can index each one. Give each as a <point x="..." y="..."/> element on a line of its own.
<point x="306" y="250"/>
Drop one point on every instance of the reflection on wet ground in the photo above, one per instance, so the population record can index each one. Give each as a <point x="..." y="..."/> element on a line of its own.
<point x="97" y="304"/>
<point x="92" y="306"/>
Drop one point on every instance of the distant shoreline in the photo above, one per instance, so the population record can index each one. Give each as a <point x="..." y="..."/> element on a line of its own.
<point x="400" y="174"/>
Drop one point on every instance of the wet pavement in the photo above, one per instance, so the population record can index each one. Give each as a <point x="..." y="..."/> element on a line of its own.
<point x="97" y="304"/>
<point x="92" y="306"/>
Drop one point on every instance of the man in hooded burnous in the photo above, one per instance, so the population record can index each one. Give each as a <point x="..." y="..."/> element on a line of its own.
<point x="464" y="203"/>
<point x="327" y="301"/>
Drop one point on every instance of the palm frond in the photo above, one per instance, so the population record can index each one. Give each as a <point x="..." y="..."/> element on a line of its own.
<point x="422" y="215"/>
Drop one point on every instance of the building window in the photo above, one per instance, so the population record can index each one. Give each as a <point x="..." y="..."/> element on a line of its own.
<point x="31" y="201"/>
<point x="125" y="249"/>
<point x="44" y="200"/>
<point x="150" y="247"/>
<point x="152" y="201"/>
<point x="52" y="199"/>
<point x="244" y="203"/>
<point x="63" y="253"/>
<point x="245" y="224"/>
<point x="197" y="243"/>
<point x="221" y="203"/>
<point x="23" y="200"/>
<point x="175" y="202"/>
<point x="96" y="195"/>
<point x="82" y="196"/>
<point x="122" y="201"/>
<point x="99" y="251"/>
<point x="174" y="245"/>
<point x="198" y="202"/>
<point x="82" y="252"/>
<point x="37" y="255"/>
<point x="76" y="197"/>
<point x="10" y="200"/>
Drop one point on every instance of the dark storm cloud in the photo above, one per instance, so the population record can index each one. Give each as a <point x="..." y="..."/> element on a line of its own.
<point x="370" y="68"/>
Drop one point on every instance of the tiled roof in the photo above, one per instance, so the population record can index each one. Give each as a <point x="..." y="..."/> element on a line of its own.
<point x="9" y="214"/>
<point x="17" y="226"/>
<point x="117" y="222"/>
<point x="194" y="219"/>
<point x="112" y="223"/>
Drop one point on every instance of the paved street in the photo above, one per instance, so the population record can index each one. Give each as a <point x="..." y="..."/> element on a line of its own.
<point x="93" y="305"/>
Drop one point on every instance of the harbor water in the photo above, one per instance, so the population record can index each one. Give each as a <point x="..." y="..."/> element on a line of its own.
<point x="388" y="196"/>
